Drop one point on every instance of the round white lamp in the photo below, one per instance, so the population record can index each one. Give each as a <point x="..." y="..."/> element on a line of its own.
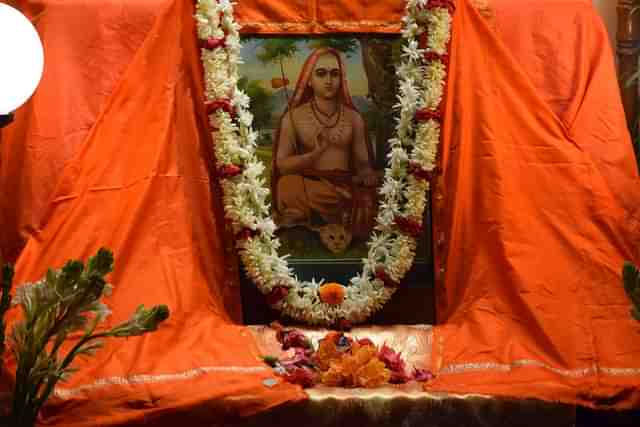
<point x="21" y="57"/>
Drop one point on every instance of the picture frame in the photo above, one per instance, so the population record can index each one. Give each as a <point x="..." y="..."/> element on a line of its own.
<point x="324" y="210"/>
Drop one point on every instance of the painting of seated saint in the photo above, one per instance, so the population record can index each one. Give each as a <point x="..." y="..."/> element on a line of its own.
<point x="323" y="109"/>
<point x="323" y="175"/>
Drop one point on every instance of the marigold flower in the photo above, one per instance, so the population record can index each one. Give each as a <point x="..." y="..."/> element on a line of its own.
<point x="333" y="377"/>
<point x="365" y="341"/>
<point x="372" y="374"/>
<point x="327" y="353"/>
<point x="332" y="293"/>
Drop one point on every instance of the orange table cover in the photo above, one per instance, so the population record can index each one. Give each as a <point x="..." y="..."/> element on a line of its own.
<point x="535" y="211"/>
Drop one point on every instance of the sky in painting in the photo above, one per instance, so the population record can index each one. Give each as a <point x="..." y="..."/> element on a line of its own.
<point x="255" y="70"/>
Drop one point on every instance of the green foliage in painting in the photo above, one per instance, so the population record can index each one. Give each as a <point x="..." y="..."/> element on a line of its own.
<point x="275" y="50"/>
<point x="261" y="102"/>
<point x="346" y="45"/>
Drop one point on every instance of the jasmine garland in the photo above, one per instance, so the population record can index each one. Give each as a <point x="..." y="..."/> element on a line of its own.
<point x="411" y="163"/>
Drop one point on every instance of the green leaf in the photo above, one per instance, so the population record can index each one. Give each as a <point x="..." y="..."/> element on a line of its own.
<point x="631" y="282"/>
<point x="72" y="270"/>
<point x="51" y="277"/>
<point x="102" y="263"/>
<point x="635" y="313"/>
<point x="7" y="276"/>
<point x="276" y="49"/>
<point x="271" y="360"/>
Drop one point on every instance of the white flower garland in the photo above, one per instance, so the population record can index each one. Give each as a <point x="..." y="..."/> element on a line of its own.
<point x="411" y="163"/>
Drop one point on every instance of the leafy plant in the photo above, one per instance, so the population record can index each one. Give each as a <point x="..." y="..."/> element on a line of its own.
<point x="6" y="278"/>
<point x="631" y="281"/>
<point x="65" y="304"/>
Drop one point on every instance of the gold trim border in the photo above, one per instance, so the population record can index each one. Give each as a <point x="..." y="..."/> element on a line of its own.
<point x="508" y="367"/>
<point x="319" y="28"/>
<point x="67" y="393"/>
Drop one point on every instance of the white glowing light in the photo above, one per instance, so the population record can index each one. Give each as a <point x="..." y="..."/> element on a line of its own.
<point x="21" y="59"/>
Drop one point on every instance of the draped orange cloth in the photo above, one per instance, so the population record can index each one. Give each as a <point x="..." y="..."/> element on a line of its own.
<point x="135" y="155"/>
<point x="537" y="208"/>
<point x="534" y="214"/>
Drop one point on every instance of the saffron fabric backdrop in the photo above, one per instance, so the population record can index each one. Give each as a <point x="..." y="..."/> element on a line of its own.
<point x="535" y="211"/>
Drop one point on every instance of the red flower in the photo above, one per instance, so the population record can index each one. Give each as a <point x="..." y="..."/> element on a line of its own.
<point x="246" y="233"/>
<point x="419" y="173"/>
<point x="300" y="375"/>
<point x="381" y="274"/>
<point x="427" y="114"/>
<point x="392" y="360"/>
<point x="219" y="104"/>
<point x="344" y="325"/>
<point x="447" y="4"/>
<point x="292" y="339"/>
<point x="409" y="226"/>
<point x="422" y="375"/>
<point x="213" y="43"/>
<point x="229" y="171"/>
<point x="432" y="56"/>
<point x="399" y="377"/>
<point x="277" y="294"/>
<point x="301" y="357"/>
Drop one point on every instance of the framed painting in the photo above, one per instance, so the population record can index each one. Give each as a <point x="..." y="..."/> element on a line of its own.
<point x="324" y="108"/>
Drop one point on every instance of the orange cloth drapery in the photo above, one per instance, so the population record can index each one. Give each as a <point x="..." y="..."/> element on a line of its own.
<point x="537" y="208"/>
<point x="535" y="211"/>
<point x="134" y="155"/>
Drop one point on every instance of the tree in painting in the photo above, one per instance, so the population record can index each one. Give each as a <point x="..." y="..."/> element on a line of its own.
<point x="276" y="51"/>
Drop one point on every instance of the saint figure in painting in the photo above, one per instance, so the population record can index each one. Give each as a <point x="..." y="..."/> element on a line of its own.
<point x="323" y="163"/>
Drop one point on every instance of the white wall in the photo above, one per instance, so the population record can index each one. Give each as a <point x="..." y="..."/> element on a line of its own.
<point x="607" y="9"/>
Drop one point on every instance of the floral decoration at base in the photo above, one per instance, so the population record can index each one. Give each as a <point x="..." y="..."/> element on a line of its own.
<point x="340" y="361"/>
